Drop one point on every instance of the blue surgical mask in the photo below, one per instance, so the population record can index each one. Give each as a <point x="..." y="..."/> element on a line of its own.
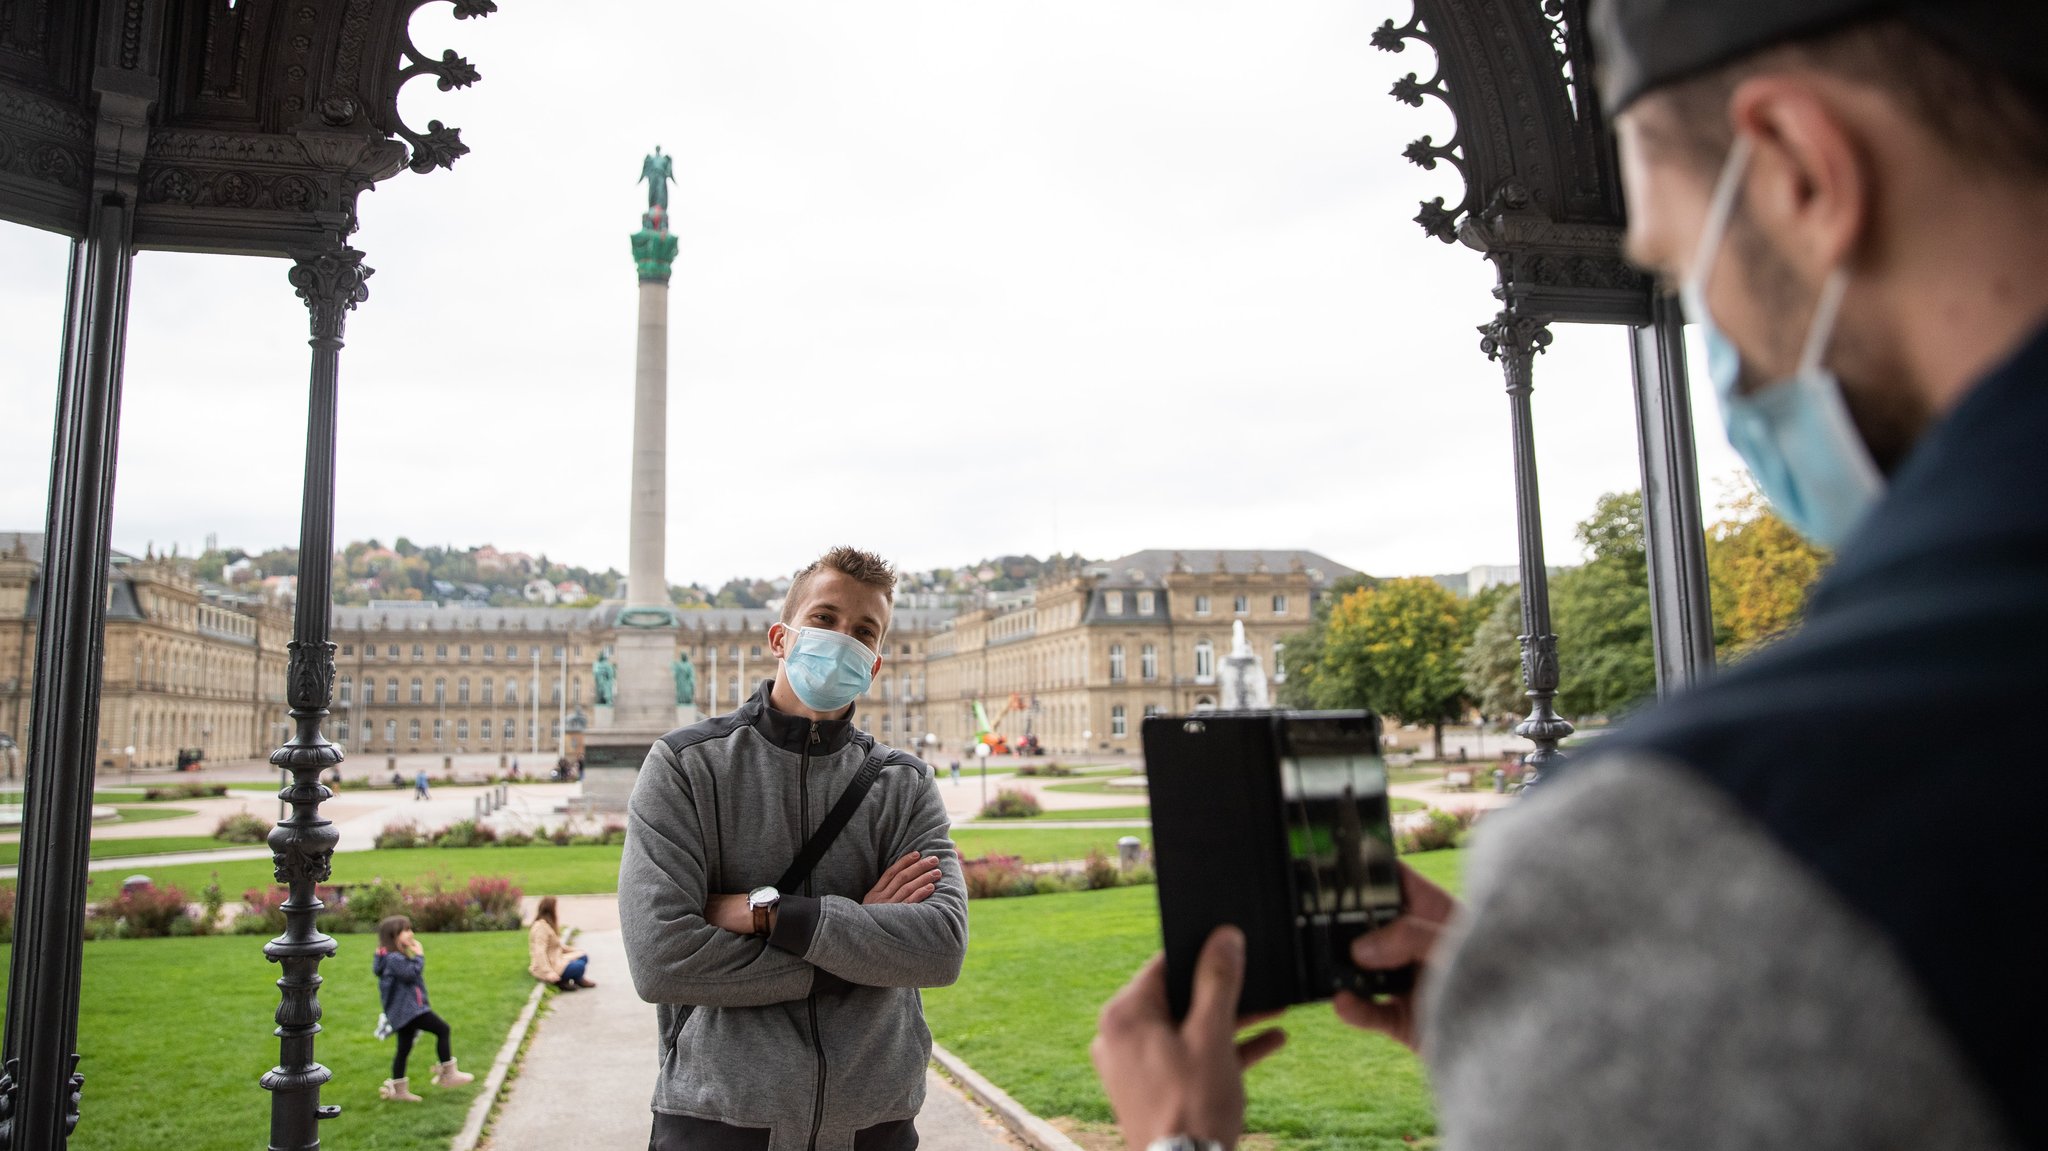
<point x="827" y="669"/>
<point x="1795" y="434"/>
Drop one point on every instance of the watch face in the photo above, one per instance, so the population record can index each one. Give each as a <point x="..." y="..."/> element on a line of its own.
<point x="763" y="897"/>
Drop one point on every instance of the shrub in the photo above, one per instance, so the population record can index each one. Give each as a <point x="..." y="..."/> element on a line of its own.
<point x="494" y="895"/>
<point x="562" y="835"/>
<point x="211" y="901"/>
<point x="465" y="833"/>
<point x="994" y="876"/>
<point x="614" y="832"/>
<point x="438" y="909"/>
<point x="1100" y="871"/>
<point x="1011" y="804"/>
<point x="1027" y="769"/>
<point x="144" y="913"/>
<point x="6" y="915"/>
<point x="1435" y="830"/>
<point x="241" y="827"/>
<point x="369" y="903"/>
<point x="403" y="834"/>
<point x="185" y="791"/>
<point x="1055" y="769"/>
<point x="516" y="838"/>
<point x="265" y="913"/>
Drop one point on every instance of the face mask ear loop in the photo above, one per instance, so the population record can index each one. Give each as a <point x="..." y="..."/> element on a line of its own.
<point x="1720" y="210"/>
<point x="1824" y="314"/>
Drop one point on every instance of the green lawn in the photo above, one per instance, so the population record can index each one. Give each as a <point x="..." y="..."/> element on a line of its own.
<point x="1042" y="845"/>
<point x="146" y="814"/>
<point x="1097" y="787"/>
<point x="175" y="1033"/>
<point x="1039" y="969"/>
<point x="117" y="799"/>
<point x="10" y="853"/>
<point x="1091" y="814"/>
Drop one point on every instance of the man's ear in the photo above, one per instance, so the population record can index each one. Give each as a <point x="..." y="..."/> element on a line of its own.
<point x="1810" y="184"/>
<point x="778" y="646"/>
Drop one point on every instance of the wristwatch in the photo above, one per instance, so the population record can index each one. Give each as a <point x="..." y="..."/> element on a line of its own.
<point x="762" y="902"/>
<point x="1183" y="1143"/>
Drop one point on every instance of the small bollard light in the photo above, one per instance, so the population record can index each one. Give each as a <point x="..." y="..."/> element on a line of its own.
<point x="479" y="807"/>
<point x="1130" y="851"/>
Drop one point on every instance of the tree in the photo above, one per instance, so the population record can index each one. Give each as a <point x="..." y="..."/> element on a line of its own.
<point x="1758" y="572"/>
<point x="1395" y="648"/>
<point x="1601" y="614"/>
<point x="1492" y="663"/>
<point x="1304" y="651"/>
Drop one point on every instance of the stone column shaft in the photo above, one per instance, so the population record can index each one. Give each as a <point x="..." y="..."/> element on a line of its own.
<point x="647" y="584"/>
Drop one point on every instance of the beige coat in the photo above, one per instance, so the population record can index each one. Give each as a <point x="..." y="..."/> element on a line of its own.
<point x="547" y="957"/>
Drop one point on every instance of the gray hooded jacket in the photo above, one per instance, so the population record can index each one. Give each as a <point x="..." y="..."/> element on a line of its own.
<point x="816" y="1033"/>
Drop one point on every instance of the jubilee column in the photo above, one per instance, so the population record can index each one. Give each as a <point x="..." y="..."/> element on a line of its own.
<point x="637" y="701"/>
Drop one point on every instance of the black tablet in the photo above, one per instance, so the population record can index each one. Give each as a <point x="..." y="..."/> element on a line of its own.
<point x="1277" y="822"/>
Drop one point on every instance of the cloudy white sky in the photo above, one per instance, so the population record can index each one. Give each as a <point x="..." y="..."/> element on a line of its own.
<point x="956" y="280"/>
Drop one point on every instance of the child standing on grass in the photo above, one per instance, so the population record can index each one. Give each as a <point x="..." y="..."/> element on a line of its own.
<point x="401" y="983"/>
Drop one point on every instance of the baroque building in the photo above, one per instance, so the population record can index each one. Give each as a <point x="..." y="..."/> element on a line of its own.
<point x="1090" y="652"/>
<point x="185" y="665"/>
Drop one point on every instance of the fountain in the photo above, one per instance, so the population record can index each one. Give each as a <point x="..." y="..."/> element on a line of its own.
<point x="1243" y="679"/>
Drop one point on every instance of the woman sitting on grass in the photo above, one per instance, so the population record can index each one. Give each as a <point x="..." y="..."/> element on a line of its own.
<point x="550" y="961"/>
<point x="401" y="983"/>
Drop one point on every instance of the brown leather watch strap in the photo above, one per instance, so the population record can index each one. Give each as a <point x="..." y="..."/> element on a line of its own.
<point x="762" y="921"/>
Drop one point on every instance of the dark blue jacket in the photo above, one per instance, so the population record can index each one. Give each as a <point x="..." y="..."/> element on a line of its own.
<point x="1892" y="744"/>
<point x="401" y="985"/>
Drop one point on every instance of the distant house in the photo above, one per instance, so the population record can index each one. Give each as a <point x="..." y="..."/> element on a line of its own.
<point x="541" y="591"/>
<point x="569" y="589"/>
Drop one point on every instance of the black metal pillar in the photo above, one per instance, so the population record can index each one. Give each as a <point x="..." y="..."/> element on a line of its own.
<point x="39" y="1089"/>
<point x="1515" y="340"/>
<point x="1681" y="616"/>
<point x="302" y="846"/>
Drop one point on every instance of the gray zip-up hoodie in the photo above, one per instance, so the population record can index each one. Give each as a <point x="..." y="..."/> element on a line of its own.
<point x="818" y="1032"/>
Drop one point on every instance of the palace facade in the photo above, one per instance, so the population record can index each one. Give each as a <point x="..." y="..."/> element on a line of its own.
<point x="1090" y="652"/>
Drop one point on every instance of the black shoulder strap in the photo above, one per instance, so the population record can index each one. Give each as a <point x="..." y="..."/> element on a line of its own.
<point x="835" y="822"/>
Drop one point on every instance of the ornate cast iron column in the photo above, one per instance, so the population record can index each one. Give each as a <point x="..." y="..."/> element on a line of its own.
<point x="302" y="846"/>
<point x="39" y="1084"/>
<point x="1681" y="620"/>
<point x="1516" y="341"/>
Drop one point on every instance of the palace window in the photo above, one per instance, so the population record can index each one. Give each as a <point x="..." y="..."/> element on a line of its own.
<point x="1205" y="660"/>
<point x="1151" y="709"/>
<point x="391" y="652"/>
<point x="462" y="690"/>
<point x="483" y="730"/>
<point x="347" y="686"/>
<point x="511" y="693"/>
<point x="463" y="653"/>
<point x="1116" y="721"/>
<point x="412" y="731"/>
<point x="391" y="690"/>
<point x="1279" y="663"/>
<point x="1145" y="602"/>
<point x="347" y="648"/>
<point x="1116" y="663"/>
<point x="390" y="731"/>
<point x="510" y="731"/>
<point x="487" y="689"/>
<point x="490" y="652"/>
<point x="462" y="729"/>
<point x="1113" y="602"/>
<point x="1241" y="605"/>
<point x="754" y="652"/>
<point x="416" y="689"/>
<point x="1279" y="605"/>
<point x="440" y="690"/>
<point x="419" y="652"/>
<point x="1201" y="605"/>
<point x="576" y="689"/>
<point x="437" y="730"/>
<point x="341" y="731"/>
<point x="1148" y="662"/>
<point x="555" y="692"/>
<point x="441" y="652"/>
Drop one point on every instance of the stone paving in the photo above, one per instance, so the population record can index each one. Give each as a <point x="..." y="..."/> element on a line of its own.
<point x="589" y="1069"/>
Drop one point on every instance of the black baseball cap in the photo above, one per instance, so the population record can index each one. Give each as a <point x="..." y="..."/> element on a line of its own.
<point x="1640" y="45"/>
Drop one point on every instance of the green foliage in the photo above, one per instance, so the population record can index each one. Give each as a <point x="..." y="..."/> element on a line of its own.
<point x="1601" y="612"/>
<point x="1043" y="844"/>
<point x="1436" y="831"/>
<point x="1305" y="649"/>
<point x="465" y="833"/>
<point x="1394" y="648"/>
<point x="1492" y="662"/>
<point x="144" y="913"/>
<point x="6" y="915"/>
<point x="401" y="834"/>
<point x="185" y="791"/>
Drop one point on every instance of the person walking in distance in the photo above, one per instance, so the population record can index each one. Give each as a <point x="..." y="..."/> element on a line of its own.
<point x="400" y="965"/>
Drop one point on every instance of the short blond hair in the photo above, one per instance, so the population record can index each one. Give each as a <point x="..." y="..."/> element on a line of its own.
<point x="865" y="567"/>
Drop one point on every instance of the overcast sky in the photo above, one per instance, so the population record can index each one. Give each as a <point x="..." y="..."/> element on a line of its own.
<point x="956" y="280"/>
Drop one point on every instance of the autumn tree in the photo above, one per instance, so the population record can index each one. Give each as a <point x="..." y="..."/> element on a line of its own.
<point x="1758" y="572"/>
<point x="1395" y="648"/>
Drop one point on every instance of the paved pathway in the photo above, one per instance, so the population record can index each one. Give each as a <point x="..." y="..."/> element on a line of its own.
<point x="590" y="1067"/>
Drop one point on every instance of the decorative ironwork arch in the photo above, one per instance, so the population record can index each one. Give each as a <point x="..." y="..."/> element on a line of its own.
<point x="207" y="126"/>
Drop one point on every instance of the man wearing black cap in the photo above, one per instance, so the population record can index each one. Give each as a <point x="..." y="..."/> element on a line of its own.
<point x="1791" y="908"/>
